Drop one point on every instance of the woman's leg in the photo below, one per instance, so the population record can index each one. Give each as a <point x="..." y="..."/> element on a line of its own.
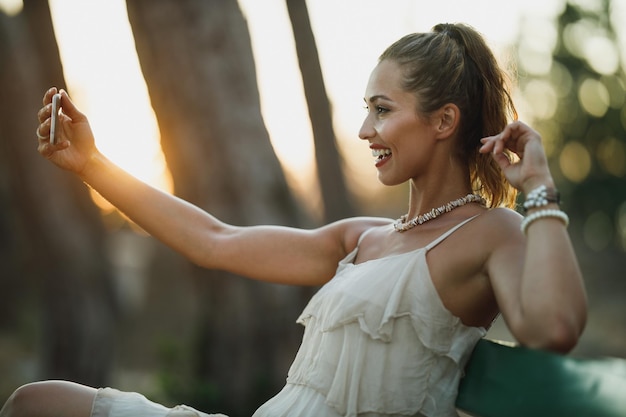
<point x="50" y="399"/>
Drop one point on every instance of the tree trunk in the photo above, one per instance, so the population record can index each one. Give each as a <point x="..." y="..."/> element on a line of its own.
<point x="197" y="60"/>
<point x="57" y="229"/>
<point x="335" y="195"/>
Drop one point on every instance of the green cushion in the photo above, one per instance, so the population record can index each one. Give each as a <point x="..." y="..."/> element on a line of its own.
<point x="503" y="380"/>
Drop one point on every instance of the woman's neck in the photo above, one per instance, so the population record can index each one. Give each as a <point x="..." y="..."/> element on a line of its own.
<point x="437" y="190"/>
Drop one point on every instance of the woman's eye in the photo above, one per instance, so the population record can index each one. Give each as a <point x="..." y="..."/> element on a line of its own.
<point x="380" y="109"/>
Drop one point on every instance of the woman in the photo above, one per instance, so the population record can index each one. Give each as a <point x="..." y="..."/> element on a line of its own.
<point x="403" y="302"/>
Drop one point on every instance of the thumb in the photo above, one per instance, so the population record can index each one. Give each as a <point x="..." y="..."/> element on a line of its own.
<point x="69" y="108"/>
<point x="502" y="160"/>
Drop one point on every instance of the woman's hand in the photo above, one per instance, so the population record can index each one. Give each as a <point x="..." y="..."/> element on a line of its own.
<point x="532" y="168"/>
<point x="75" y="147"/>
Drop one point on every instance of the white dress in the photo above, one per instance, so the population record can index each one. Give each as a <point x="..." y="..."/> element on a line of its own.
<point x="378" y="342"/>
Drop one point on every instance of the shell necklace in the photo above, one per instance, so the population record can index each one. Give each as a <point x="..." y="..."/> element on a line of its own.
<point x="402" y="224"/>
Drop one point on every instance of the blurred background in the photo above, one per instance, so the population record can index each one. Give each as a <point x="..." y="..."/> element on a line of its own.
<point x="251" y="110"/>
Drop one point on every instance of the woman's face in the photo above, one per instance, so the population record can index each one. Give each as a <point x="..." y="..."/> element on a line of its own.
<point x="401" y="140"/>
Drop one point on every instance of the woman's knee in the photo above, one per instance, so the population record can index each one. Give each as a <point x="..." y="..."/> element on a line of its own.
<point x="18" y="403"/>
<point x="50" y="398"/>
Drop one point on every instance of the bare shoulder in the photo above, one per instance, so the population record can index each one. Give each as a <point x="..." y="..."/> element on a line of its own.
<point x="351" y="229"/>
<point x="495" y="232"/>
<point x="503" y="242"/>
<point x="500" y="222"/>
<point x="504" y="214"/>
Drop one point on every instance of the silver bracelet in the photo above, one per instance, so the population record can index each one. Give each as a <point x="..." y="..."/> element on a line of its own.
<point x="541" y="196"/>
<point x="558" y="214"/>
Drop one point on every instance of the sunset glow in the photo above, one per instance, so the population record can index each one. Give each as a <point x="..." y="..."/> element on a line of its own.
<point x="104" y="78"/>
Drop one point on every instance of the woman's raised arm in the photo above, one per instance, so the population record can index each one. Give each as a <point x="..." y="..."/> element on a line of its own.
<point x="268" y="253"/>
<point x="535" y="273"/>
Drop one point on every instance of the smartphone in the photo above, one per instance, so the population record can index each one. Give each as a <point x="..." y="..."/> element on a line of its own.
<point x="56" y="107"/>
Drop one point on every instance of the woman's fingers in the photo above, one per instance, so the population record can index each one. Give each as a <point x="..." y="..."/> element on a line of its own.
<point x="43" y="130"/>
<point x="45" y="148"/>
<point x="43" y="115"/>
<point x="47" y="97"/>
<point x="495" y="144"/>
<point x="524" y="142"/>
<point x="513" y="137"/>
<point x="502" y="160"/>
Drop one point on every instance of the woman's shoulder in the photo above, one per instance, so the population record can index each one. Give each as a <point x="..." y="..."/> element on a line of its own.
<point x="354" y="227"/>
<point x="359" y="224"/>
<point x="503" y="216"/>
<point x="351" y="229"/>
<point x="500" y="223"/>
<point x="492" y="226"/>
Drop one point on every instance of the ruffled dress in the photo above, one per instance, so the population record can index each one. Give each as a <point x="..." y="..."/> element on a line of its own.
<point x="378" y="341"/>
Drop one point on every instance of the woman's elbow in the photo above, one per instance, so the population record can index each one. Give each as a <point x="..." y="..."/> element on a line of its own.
<point x="563" y="337"/>
<point x="559" y="333"/>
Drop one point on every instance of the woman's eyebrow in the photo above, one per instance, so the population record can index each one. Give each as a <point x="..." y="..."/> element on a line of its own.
<point x="376" y="97"/>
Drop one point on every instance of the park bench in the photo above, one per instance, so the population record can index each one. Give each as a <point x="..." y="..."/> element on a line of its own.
<point x="506" y="380"/>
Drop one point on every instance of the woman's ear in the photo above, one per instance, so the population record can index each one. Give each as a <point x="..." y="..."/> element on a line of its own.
<point x="447" y="120"/>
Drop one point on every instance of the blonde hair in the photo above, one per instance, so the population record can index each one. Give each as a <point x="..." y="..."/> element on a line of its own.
<point x="453" y="64"/>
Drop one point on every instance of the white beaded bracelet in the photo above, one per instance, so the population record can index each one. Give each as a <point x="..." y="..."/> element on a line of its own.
<point x="540" y="197"/>
<point x="541" y="214"/>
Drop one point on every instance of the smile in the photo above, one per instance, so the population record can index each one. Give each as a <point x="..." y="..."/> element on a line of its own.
<point x="381" y="154"/>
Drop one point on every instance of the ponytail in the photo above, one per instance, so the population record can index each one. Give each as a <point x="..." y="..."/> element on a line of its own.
<point x="453" y="64"/>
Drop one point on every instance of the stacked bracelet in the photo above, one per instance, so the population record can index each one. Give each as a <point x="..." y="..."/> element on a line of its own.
<point x="541" y="196"/>
<point x="558" y="214"/>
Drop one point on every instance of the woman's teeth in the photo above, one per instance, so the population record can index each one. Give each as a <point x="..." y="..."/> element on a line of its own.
<point x="380" y="153"/>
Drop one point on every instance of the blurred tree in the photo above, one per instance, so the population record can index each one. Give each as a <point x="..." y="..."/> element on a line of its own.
<point x="335" y="196"/>
<point x="50" y="221"/>
<point x="574" y="84"/>
<point x="197" y="60"/>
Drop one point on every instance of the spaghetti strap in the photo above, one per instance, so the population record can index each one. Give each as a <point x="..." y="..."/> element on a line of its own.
<point x="365" y="232"/>
<point x="448" y="233"/>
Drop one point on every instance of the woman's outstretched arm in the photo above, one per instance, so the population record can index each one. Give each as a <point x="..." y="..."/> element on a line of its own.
<point x="269" y="253"/>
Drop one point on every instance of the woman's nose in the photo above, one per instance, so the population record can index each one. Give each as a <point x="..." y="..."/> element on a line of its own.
<point x="367" y="130"/>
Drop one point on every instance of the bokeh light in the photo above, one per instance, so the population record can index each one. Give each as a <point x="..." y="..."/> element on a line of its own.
<point x="575" y="162"/>
<point x="601" y="54"/>
<point x="612" y="156"/>
<point x="542" y="97"/>
<point x="594" y="97"/>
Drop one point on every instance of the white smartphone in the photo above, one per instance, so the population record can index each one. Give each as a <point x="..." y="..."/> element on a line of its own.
<point x="54" y="116"/>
